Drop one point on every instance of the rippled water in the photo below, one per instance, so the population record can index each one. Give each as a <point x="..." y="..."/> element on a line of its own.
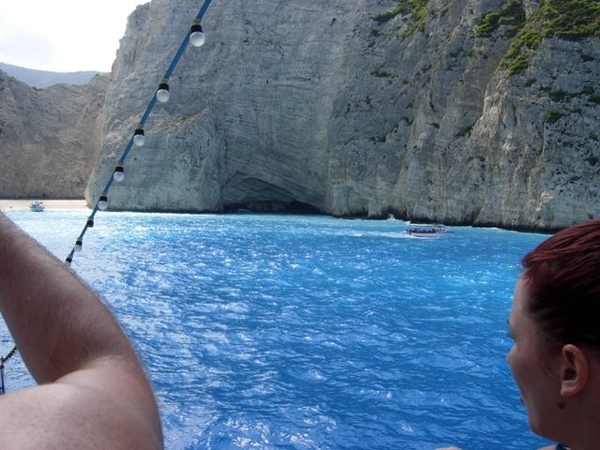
<point x="307" y="332"/>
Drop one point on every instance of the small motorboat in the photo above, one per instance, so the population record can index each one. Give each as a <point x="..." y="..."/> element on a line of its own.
<point x="426" y="230"/>
<point x="37" y="206"/>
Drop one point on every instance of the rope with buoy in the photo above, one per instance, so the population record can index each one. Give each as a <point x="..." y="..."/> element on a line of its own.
<point x="195" y="35"/>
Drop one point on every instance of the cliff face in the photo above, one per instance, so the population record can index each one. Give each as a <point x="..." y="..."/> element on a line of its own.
<point x="49" y="138"/>
<point x="339" y="107"/>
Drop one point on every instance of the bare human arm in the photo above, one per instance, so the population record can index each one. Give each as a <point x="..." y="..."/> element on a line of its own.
<point x="93" y="392"/>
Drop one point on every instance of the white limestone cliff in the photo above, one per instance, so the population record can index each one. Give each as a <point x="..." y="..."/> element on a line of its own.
<point x="317" y="106"/>
<point x="49" y="138"/>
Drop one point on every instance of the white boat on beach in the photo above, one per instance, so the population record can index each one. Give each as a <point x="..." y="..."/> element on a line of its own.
<point x="37" y="206"/>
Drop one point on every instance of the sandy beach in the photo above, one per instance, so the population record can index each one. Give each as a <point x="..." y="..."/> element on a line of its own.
<point x="8" y="204"/>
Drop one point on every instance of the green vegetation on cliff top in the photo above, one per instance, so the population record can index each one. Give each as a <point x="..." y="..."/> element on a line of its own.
<point x="567" y="19"/>
<point x="417" y="9"/>
<point x="561" y="18"/>
<point x="510" y="14"/>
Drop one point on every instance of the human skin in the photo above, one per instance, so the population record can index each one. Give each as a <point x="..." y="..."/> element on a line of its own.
<point x="93" y="392"/>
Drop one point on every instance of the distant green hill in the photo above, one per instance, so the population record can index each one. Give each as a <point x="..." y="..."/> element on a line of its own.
<point x="43" y="78"/>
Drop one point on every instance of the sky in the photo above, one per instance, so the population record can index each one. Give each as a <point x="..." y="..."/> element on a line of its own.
<point x="63" y="35"/>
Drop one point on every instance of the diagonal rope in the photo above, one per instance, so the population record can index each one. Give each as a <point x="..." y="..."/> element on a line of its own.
<point x="142" y="122"/>
<point x="102" y="199"/>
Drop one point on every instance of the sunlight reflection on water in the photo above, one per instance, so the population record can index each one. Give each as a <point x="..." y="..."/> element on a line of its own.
<point x="308" y="332"/>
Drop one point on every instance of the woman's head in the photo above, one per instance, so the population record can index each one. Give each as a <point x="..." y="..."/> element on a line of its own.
<point x="554" y="321"/>
<point x="562" y="276"/>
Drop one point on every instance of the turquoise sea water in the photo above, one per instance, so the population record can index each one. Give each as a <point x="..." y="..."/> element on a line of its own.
<point x="307" y="332"/>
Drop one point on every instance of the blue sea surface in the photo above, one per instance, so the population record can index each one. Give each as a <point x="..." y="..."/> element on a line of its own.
<point x="307" y="332"/>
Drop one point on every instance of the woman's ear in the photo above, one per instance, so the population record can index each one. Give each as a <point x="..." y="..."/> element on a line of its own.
<point x="574" y="370"/>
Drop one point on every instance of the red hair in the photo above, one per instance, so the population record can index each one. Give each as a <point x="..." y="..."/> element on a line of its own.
<point x="563" y="285"/>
